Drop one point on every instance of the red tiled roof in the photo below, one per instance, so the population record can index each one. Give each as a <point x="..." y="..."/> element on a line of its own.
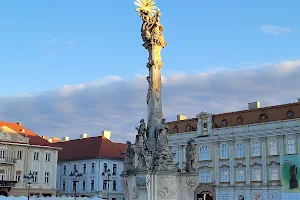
<point x="90" y="148"/>
<point x="272" y="113"/>
<point x="34" y="139"/>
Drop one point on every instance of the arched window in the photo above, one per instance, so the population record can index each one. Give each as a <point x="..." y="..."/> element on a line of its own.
<point x="240" y="174"/>
<point x="255" y="148"/>
<point x="273" y="147"/>
<point x="291" y="145"/>
<point x="204" y="152"/>
<point x="224" y="151"/>
<point x="256" y="174"/>
<point x="175" y="130"/>
<point x="274" y="173"/>
<point x="225" y="175"/>
<point x="239" y="150"/>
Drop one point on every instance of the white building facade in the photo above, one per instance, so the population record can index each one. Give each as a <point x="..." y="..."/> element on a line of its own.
<point x="239" y="154"/>
<point x="107" y="159"/>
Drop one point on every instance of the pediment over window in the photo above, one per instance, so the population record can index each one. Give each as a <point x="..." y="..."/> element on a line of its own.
<point x="204" y="115"/>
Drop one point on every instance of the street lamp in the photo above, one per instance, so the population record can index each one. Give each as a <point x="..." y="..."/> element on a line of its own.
<point x="75" y="175"/>
<point x="108" y="177"/>
<point x="28" y="179"/>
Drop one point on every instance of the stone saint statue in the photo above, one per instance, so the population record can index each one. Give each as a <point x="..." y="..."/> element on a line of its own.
<point x="190" y="151"/>
<point x="140" y="144"/>
<point x="129" y="158"/>
<point x="163" y="154"/>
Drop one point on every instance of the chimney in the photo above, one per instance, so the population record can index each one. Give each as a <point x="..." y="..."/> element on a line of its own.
<point x="106" y="134"/>
<point x="23" y="130"/>
<point x="254" y="105"/>
<point x="19" y="123"/>
<point x="84" y="135"/>
<point x="45" y="137"/>
<point x="65" y="139"/>
<point x="181" y="117"/>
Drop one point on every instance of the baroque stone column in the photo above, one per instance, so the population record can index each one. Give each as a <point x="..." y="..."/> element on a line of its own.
<point x="231" y="162"/>
<point x="154" y="42"/>
<point x="217" y="154"/>
<point x="247" y="150"/>
<point x="264" y="160"/>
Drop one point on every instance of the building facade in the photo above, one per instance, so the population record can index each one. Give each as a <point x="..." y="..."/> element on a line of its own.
<point x="21" y="152"/>
<point x="91" y="157"/>
<point x="239" y="154"/>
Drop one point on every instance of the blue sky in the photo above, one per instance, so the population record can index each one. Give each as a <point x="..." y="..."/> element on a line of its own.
<point x="47" y="44"/>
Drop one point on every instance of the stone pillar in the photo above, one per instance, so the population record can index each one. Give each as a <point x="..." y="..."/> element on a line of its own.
<point x="231" y="162"/>
<point x="247" y="151"/>
<point x="217" y="178"/>
<point x="264" y="160"/>
<point x="281" y="149"/>
<point x="199" y="126"/>
<point x="209" y="125"/>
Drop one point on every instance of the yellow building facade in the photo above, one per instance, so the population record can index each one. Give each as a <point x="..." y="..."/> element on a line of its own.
<point x="21" y="152"/>
<point x="239" y="154"/>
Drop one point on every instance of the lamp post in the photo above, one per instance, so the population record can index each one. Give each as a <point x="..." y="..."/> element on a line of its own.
<point x="108" y="177"/>
<point x="28" y="179"/>
<point x="75" y="175"/>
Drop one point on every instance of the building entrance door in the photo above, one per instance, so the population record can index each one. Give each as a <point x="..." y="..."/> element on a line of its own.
<point x="204" y="196"/>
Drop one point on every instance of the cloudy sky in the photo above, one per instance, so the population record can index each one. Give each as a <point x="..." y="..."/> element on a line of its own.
<point x="73" y="67"/>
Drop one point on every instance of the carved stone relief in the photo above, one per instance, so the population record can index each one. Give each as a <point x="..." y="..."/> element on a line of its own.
<point x="135" y="193"/>
<point x="192" y="181"/>
<point x="167" y="188"/>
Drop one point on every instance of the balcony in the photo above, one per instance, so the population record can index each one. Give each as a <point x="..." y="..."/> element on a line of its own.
<point x="6" y="160"/>
<point x="7" y="184"/>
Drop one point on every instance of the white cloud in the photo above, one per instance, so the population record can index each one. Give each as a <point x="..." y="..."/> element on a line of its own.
<point x="50" y="40"/>
<point x="117" y="105"/>
<point x="275" y="30"/>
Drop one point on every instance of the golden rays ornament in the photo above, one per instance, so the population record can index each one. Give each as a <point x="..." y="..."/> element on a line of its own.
<point x="146" y="5"/>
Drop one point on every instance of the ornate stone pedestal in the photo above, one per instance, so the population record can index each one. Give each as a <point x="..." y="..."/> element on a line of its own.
<point x="160" y="185"/>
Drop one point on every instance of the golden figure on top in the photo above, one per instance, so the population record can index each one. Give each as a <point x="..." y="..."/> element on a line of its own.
<point x="146" y="5"/>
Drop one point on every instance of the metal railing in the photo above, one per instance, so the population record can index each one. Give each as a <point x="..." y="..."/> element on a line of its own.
<point x="6" y="160"/>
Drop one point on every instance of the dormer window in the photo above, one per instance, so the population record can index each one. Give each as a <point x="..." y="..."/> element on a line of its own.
<point x="224" y="122"/>
<point x="175" y="129"/>
<point x="263" y="117"/>
<point x="239" y="121"/>
<point x="290" y="113"/>
<point x="188" y="128"/>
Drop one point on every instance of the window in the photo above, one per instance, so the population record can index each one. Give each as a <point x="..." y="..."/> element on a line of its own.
<point x="65" y="170"/>
<point x="92" y="185"/>
<point x="35" y="177"/>
<point x="35" y="155"/>
<point x="47" y="175"/>
<point x="205" y="176"/>
<point x="64" y="186"/>
<point x="114" y="169"/>
<point x="175" y="157"/>
<point x="225" y="197"/>
<point x="255" y="149"/>
<point x="18" y="176"/>
<point x="93" y="167"/>
<point x="48" y="157"/>
<point x="114" y="185"/>
<point x="274" y="173"/>
<point x="241" y="197"/>
<point x="2" y="154"/>
<point x="2" y="177"/>
<point x="84" y="168"/>
<point x="105" y="167"/>
<point x="273" y="147"/>
<point x="104" y="185"/>
<point x="224" y="175"/>
<point x="240" y="175"/>
<point x="75" y="167"/>
<point x="291" y="146"/>
<point x="239" y="150"/>
<point x="224" y="151"/>
<point x="19" y="155"/>
<point x="256" y="175"/>
<point x="205" y="152"/>
<point x="83" y="185"/>
<point x="257" y="197"/>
